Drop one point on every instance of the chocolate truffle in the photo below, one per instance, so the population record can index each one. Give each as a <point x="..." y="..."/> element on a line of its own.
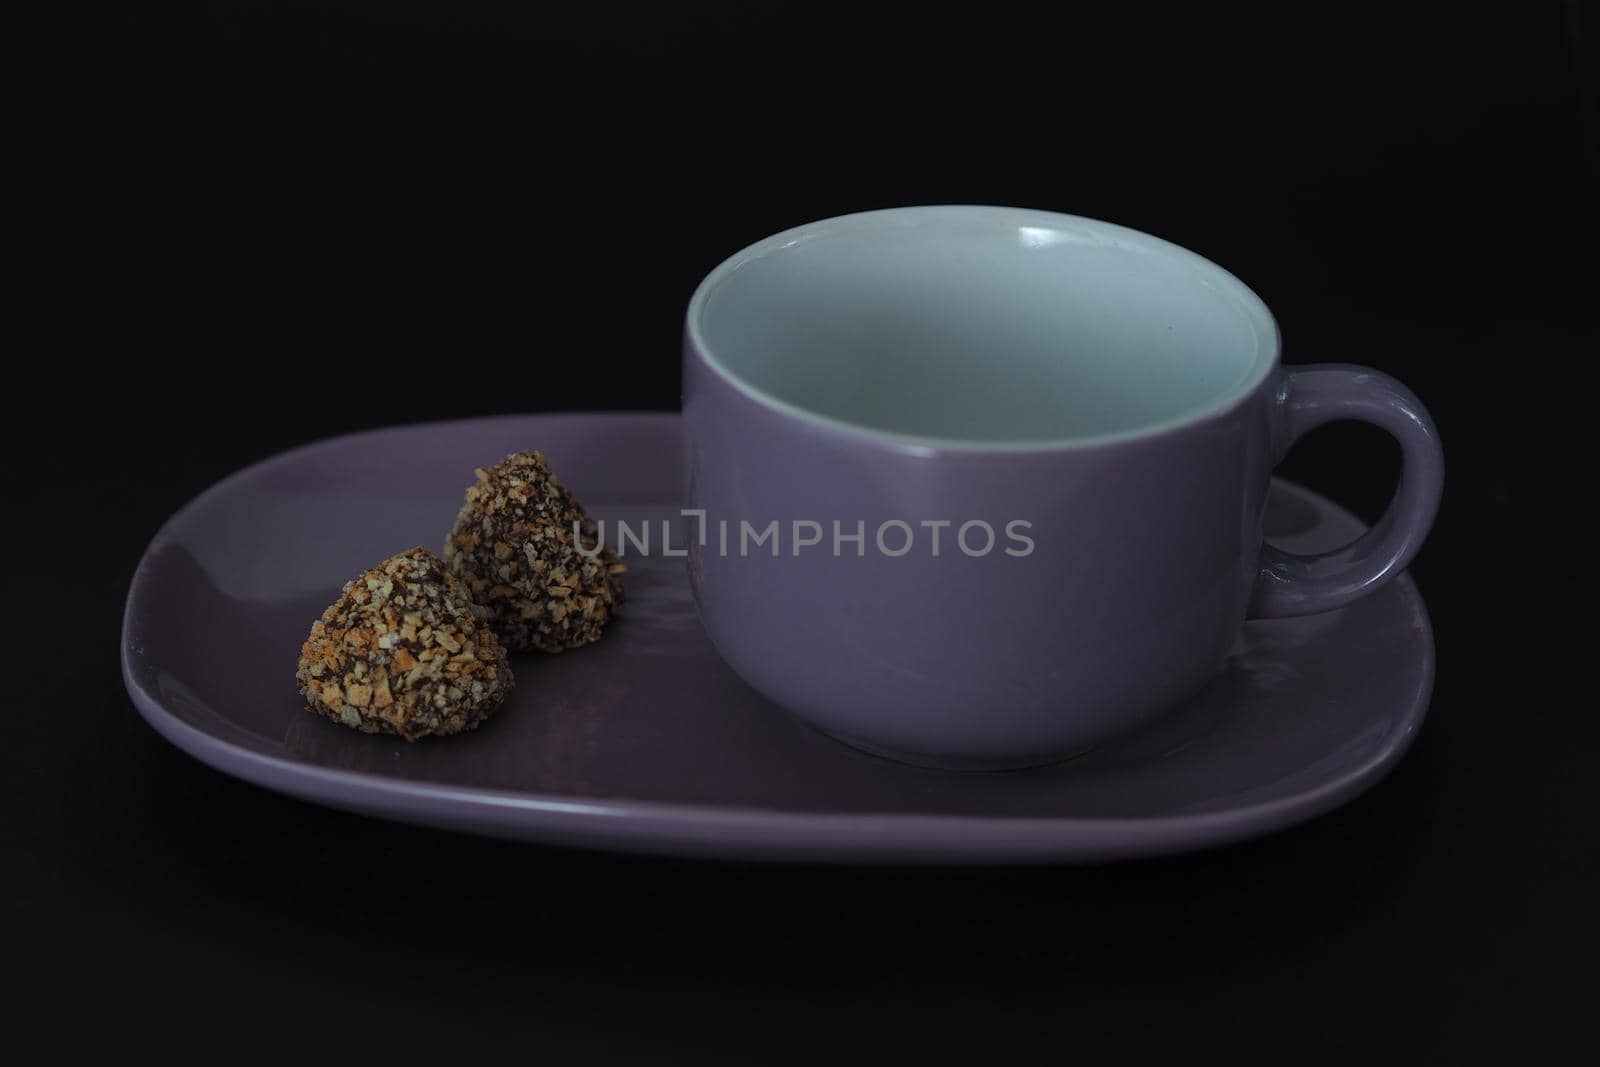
<point x="514" y="546"/>
<point x="403" y="652"/>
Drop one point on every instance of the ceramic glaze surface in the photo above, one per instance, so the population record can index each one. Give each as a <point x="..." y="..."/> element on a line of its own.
<point x="648" y="742"/>
<point x="826" y="375"/>
<point x="984" y="324"/>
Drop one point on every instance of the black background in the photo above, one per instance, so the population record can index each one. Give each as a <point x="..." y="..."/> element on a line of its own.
<point x="238" y="227"/>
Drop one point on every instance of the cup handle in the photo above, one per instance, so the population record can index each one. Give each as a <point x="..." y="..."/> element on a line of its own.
<point x="1310" y="395"/>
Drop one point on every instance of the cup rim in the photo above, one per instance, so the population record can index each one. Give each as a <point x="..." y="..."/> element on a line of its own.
<point x="1267" y="334"/>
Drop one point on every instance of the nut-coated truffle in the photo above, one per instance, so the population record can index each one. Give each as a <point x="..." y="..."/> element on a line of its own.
<point x="402" y="651"/>
<point x="515" y="547"/>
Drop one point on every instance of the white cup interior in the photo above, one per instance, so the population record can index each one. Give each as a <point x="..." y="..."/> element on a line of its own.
<point x="982" y="324"/>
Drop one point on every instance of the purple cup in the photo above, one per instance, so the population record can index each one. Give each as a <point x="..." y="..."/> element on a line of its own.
<point x="979" y="487"/>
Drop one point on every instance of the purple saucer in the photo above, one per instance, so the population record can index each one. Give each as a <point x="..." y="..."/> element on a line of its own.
<point x="646" y="742"/>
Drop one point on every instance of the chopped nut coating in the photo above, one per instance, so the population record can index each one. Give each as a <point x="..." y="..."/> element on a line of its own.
<point x="513" y="546"/>
<point x="402" y="651"/>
